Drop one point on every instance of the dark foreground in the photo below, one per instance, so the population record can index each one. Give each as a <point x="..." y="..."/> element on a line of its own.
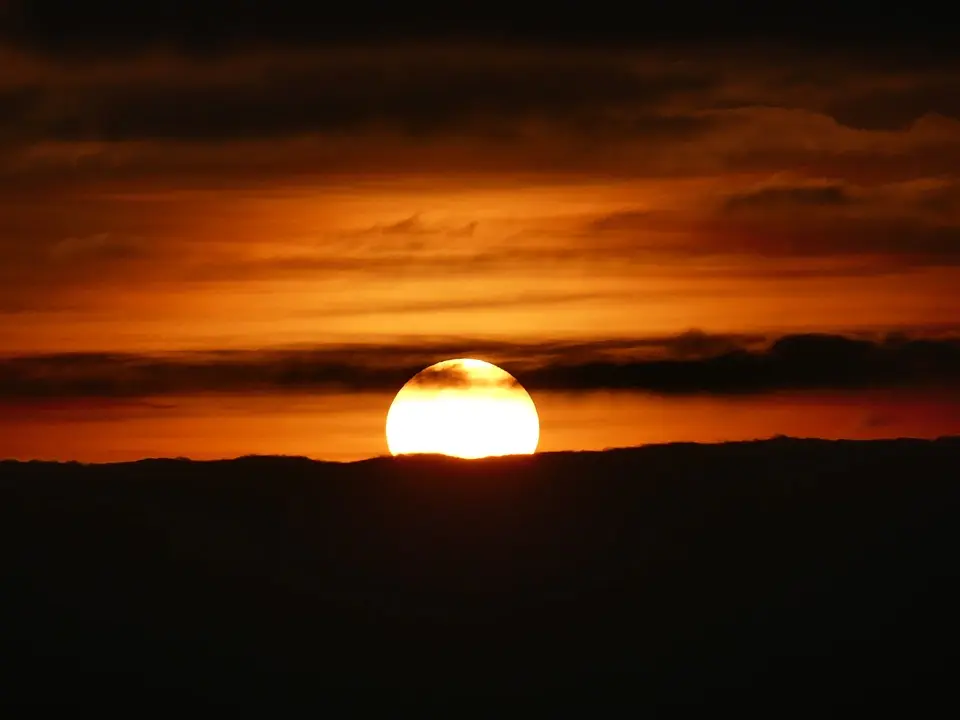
<point x="786" y="576"/>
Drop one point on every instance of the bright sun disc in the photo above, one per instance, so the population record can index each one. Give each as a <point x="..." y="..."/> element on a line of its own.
<point x="465" y="408"/>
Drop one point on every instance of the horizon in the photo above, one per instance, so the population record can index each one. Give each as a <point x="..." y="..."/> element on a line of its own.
<point x="438" y="457"/>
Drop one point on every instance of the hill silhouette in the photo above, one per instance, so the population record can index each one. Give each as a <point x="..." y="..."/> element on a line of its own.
<point x="784" y="574"/>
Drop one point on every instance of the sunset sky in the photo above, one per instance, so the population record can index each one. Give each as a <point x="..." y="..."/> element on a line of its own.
<point x="239" y="228"/>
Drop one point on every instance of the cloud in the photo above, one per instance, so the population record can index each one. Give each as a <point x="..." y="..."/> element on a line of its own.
<point x="624" y="220"/>
<point x="895" y="226"/>
<point x="240" y="107"/>
<point x="414" y="225"/>
<point x="277" y="91"/>
<point x="692" y="364"/>
<point x="789" y="197"/>
<point x="797" y="362"/>
<point x="455" y="375"/>
<point x="943" y="200"/>
<point x="97" y="247"/>
<point x="696" y="345"/>
<point x="878" y="419"/>
<point x="907" y="242"/>
<point x="412" y="94"/>
<point x="523" y="299"/>
<point x="247" y="122"/>
<point x="899" y="107"/>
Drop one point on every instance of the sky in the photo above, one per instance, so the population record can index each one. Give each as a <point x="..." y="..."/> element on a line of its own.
<point x="241" y="227"/>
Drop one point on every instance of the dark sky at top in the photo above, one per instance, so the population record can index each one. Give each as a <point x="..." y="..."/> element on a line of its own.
<point x="105" y="27"/>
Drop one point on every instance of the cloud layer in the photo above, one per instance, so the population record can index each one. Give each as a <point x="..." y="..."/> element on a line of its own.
<point x="256" y="174"/>
<point x="694" y="363"/>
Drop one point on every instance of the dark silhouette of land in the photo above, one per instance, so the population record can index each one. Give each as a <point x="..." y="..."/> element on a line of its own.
<point x="785" y="575"/>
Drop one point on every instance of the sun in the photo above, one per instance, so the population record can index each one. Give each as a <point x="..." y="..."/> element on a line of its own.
<point x="465" y="408"/>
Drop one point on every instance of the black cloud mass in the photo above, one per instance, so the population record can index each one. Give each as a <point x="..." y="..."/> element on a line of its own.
<point x="690" y="364"/>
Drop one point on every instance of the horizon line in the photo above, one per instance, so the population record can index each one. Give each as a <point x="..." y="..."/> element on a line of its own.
<point x="439" y="457"/>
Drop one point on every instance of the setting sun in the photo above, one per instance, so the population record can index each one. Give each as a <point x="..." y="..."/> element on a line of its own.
<point x="465" y="408"/>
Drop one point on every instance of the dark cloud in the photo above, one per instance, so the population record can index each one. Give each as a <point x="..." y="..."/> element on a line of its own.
<point x="414" y="225"/>
<point x="628" y="220"/>
<point x="897" y="109"/>
<point x="568" y="89"/>
<point x="445" y="376"/>
<point x="786" y="197"/>
<point x="878" y="419"/>
<point x="97" y="248"/>
<point x="16" y="104"/>
<point x="692" y="364"/>
<point x="455" y="375"/>
<point x="418" y="95"/>
<point x="907" y="242"/>
<point x="523" y="299"/>
<point x="798" y="362"/>
<point x="944" y="200"/>
<point x="697" y="345"/>
<point x="807" y="221"/>
<point x="887" y="161"/>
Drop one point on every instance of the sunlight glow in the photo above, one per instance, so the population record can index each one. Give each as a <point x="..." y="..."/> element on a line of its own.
<point x="465" y="408"/>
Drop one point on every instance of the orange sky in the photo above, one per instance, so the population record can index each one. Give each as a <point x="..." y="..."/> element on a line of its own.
<point x="349" y="427"/>
<point x="315" y="265"/>
<point x="274" y="195"/>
